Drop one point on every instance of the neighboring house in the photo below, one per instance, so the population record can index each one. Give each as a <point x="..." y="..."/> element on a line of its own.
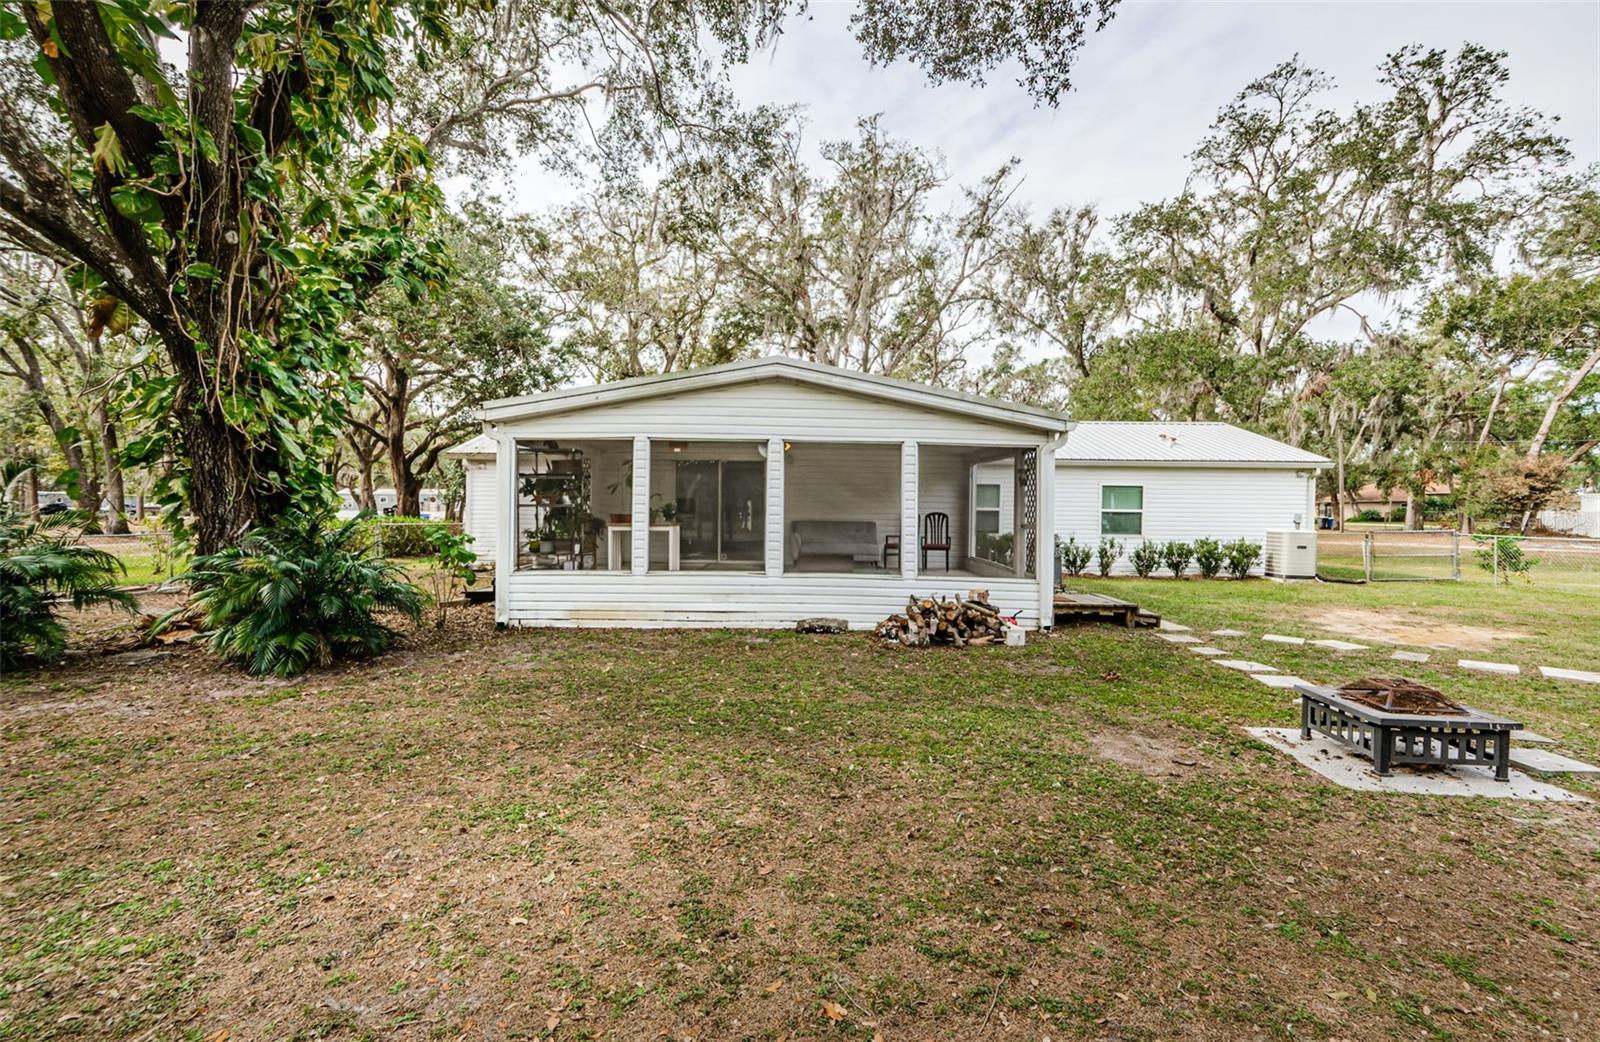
<point x="1370" y="497"/>
<point x="762" y="492"/>
<point x="1164" y="481"/>
<point x="1581" y="517"/>
<point x="751" y="494"/>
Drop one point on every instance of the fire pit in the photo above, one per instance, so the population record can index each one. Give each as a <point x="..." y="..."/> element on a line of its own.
<point x="1394" y="720"/>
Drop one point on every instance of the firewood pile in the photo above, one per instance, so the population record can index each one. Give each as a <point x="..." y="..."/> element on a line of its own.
<point x="959" y="621"/>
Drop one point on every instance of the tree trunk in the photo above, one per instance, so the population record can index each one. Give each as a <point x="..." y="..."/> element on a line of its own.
<point x="1550" y="414"/>
<point x="223" y="498"/>
<point x="30" y="494"/>
<point x="117" y="519"/>
<point x="1413" y="514"/>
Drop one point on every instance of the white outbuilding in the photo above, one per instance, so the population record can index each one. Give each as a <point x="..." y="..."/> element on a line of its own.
<point x="759" y="493"/>
<point x="1165" y="481"/>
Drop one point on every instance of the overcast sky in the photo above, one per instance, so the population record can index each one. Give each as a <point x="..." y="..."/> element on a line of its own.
<point x="1148" y="86"/>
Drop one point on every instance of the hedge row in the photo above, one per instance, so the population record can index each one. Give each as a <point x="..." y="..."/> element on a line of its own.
<point x="1209" y="555"/>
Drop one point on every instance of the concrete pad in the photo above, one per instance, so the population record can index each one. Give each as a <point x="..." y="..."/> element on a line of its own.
<point x="1503" y="668"/>
<point x="1245" y="665"/>
<point x="1178" y="638"/>
<point x="1276" y="679"/>
<point x="1227" y="633"/>
<point x="1203" y="650"/>
<point x="1339" y="645"/>
<point x="1278" y="638"/>
<point x="1543" y="761"/>
<point x="1410" y="656"/>
<point x="1530" y="738"/>
<point x="1173" y="627"/>
<point x="1344" y="767"/>
<point x="1579" y="675"/>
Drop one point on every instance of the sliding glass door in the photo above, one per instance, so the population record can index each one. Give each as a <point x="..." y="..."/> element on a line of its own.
<point x="721" y="510"/>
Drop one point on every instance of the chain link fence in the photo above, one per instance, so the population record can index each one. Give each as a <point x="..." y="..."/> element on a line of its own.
<point x="1392" y="555"/>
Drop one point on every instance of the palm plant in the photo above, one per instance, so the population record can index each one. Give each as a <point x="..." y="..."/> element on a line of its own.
<point x="297" y="594"/>
<point x="42" y="566"/>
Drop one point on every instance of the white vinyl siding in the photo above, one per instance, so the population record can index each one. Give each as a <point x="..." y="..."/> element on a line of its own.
<point x="771" y="408"/>
<point x="1186" y="503"/>
<point x="478" y="512"/>
<point x="738" y="599"/>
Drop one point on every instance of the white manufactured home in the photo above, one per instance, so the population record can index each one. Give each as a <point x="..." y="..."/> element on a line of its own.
<point x="753" y="494"/>
<point x="759" y="493"/>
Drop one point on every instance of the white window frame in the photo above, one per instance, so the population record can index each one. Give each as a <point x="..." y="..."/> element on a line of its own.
<point x="1102" y="511"/>
<point x="972" y="550"/>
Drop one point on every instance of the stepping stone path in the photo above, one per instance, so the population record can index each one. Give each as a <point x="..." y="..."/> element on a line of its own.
<point x="1409" y="656"/>
<point x="1244" y="664"/>
<point x="1581" y="676"/>
<point x="1276" y="679"/>
<point x="1339" y="645"/>
<point x="1228" y="633"/>
<point x="1173" y="627"/>
<point x="1178" y="638"/>
<point x="1208" y="651"/>
<point x="1278" y="638"/>
<point x="1530" y="738"/>
<point x="1503" y="668"/>
<point x="1543" y="761"/>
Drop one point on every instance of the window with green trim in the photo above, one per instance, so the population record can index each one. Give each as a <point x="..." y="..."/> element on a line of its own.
<point x="1121" y="509"/>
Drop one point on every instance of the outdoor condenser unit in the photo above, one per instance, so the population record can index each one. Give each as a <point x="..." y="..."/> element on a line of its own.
<point x="1291" y="554"/>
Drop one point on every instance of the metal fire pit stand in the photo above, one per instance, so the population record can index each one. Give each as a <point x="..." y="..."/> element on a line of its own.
<point x="1477" y="739"/>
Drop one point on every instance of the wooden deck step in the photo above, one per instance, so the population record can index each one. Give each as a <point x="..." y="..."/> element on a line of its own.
<point x="1070" y="606"/>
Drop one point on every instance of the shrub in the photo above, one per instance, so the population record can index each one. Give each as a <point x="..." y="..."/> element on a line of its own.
<point x="1368" y="516"/>
<point x="451" y="562"/>
<point x="297" y="594"/>
<point x="996" y="548"/>
<point x="400" y="536"/>
<point x="1209" y="557"/>
<point x="1176" y="555"/>
<point x="1075" y="556"/>
<point x="1145" y="558"/>
<point x="1107" y="555"/>
<point x="1513" y="561"/>
<point x="1242" y="556"/>
<point x="1397" y="515"/>
<point x="42" y="565"/>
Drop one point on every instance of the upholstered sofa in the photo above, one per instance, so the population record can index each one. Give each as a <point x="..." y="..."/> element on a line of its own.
<point x="857" y="540"/>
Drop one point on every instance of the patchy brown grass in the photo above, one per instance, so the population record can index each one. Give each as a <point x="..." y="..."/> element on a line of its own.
<point x="720" y="835"/>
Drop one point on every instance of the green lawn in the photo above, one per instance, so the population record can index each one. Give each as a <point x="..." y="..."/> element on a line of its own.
<point x="697" y="835"/>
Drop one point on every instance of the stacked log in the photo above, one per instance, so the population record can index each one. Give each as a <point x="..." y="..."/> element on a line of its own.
<point x="959" y="621"/>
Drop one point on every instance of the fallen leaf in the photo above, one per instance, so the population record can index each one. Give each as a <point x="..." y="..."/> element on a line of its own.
<point x="833" y="1011"/>
<point x="221" y="1035"/>
<point x="775" y="985"/>
<point x="553" y="1022"/>
<point x="764" y="870"/>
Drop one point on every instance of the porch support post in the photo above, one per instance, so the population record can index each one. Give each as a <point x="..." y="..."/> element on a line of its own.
<point x="1045" y="517"/>
<point x="774" y="546"/>
<point x="641" y="506"/>
<point x="1019" y="539"/>
<point x="910" y="519"/>
<point x="505" y="550"/>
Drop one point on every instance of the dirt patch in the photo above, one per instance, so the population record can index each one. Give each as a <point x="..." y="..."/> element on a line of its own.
<point x="1399" y="628"/>
<point x="1147" y="754"/>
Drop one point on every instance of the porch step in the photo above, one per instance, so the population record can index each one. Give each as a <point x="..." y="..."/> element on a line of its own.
<point x="1095" y="606"/>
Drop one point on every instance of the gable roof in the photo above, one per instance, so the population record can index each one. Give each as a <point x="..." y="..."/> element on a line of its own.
<point x="1157" y="441"/>
<point x="479" y="446"/>
<point x="776" y="367"/>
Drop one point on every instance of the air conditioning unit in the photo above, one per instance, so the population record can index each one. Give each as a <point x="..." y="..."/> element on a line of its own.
<point x="1291" y="554"/>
